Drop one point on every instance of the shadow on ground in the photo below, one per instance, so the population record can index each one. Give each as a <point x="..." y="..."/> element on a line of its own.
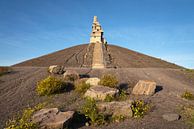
<point x="158" y="88"/>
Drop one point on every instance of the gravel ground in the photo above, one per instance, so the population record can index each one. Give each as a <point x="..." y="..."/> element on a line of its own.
<point x="17" y="91"/>
<point x="81" y="56"/>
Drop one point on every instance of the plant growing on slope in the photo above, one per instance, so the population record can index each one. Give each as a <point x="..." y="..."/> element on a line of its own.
<point x="122" y="95"/>
<point x="51" y="85"/>
<point x="187" y="95"/>
<point x="118" y="118"/>
<point x="109" y="98"/>
<point x="24" y="121"/>
<point x="81" y="86"/>
<point x="109" y="80"/>
<point x="139" y="108"/>
<point x="89" y="109"/>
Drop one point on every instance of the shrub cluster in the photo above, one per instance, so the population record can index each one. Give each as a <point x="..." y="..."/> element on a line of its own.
<point x="122" y="96"/>
<point x="139" y="108"/>
<point x="187" y="95"/>
<point x="89" y="109"/>
<point x="109" y="98"/>
<point x="81" y="86"/>
<point x="51" y="85"/>
<point x="109" y="81"/>
<point x="24" y="121"/>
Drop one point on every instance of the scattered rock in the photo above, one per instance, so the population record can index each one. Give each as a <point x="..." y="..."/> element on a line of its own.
<point x="100" y="92"/>
<point x="93" y="81"/>
<point x="71" y="75"/>
<point x="52" y="118"/>
<point x="144" y="87"/>
<point x="171" y="117"/>
<point x="116" y="108"/>
<point x="56" y="69"/>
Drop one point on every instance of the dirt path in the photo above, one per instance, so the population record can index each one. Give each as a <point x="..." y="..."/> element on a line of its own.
<point x="17" y="91"/>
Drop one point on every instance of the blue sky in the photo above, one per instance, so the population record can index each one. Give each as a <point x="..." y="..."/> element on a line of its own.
<point x="160" y="28"/>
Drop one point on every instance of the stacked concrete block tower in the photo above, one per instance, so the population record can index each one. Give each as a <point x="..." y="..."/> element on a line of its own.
<point x="99" y="41"/>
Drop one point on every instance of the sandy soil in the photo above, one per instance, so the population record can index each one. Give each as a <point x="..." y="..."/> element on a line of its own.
<point x="17" y="91"/>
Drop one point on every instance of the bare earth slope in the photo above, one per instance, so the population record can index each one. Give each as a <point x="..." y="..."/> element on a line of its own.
<point x="70" y="57"/>
<point x="17" y="91"/>
<point x="118" y="57"/>
<point x="125" y="58"/>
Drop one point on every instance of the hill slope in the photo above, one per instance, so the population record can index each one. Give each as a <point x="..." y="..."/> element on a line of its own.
<point x="81" y="56"/>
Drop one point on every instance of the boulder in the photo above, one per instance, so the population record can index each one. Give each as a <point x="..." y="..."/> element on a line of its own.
<point x="56" y="69"/>
<point x="71" y="75"/>
<point x="144" y="87"/>
<point x="93" y="81"/>
<point x="171" y="117"/>
<point x="100" y="92"/>
<point x="52" y="118"/>
<point x="116" y="108"/>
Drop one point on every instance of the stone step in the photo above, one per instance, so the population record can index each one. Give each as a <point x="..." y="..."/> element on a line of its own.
<point x="98" y="60"/>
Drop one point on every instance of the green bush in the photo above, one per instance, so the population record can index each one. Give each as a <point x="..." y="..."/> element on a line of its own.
<point x="24" y="122"/>
<point x="51" y="85"/>
<point x="118" y="118"/>
<point x="109" y="98"/>
<point x="122" y="95"/>
<point x="109" y="80"/>
<point x="89" y="109"/>
<point x="187" y="95"/>
<point x="139" y="108"/>
<point x="81" y="86"/>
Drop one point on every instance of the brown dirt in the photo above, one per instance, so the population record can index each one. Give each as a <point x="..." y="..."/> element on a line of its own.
<point x="125" y="58"/>
<point x="4" y="70"/>
<point x="17" y="91"/>
<point x="70" y="57"/>
<point x="115" y="57"/>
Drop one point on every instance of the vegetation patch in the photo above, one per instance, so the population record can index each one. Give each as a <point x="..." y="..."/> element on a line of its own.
<point x="187" y="95"/>
<point x="51" y="85"/>
<point x="90" y="111"/>
<point x="187" y="112"/>
<point x="122" y="96"/>
<point x="139" y="108"/>
<point x="118" y="118"/>
<point x="24" y="121"/>
<point x="109" y="81"/>
<point x="109" y="98"/>
<point x="189" y="70"/>
<point x="81" y="86"/>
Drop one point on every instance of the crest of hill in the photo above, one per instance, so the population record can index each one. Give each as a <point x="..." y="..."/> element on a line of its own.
<point x="81" y="56"/>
